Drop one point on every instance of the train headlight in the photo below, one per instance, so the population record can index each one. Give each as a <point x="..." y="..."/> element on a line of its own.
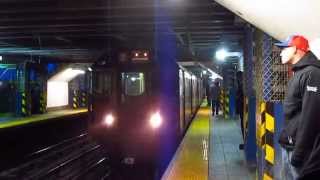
<point x="109" y="120"/>
<point x="155" y="120"/>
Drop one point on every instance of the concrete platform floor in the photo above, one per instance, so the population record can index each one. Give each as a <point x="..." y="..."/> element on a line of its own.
<point x="226" y="161"/>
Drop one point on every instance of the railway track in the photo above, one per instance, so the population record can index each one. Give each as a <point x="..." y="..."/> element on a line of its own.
<point x="74" y="158"/>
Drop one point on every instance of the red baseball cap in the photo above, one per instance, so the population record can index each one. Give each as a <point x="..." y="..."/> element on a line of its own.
<point x="296" y="40"/>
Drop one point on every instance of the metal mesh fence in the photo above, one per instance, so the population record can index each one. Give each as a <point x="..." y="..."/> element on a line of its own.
<point x="271" y="77"/>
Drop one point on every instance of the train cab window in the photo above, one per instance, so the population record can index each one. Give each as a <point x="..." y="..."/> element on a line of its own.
<point x="133" y="83"/>
<point x="102" y="83"/>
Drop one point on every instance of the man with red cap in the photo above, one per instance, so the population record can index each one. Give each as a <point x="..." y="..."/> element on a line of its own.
<point x="301" y="130"/>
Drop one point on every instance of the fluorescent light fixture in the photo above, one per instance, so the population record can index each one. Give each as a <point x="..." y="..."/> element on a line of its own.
<point x="66" y="75"/>
<point x="214" y="75"/>
<point x="221" y="54"/>
<point x="58" y="94"/>
<point x="57" y="87"/>
<point x="234" y="54"/>
<point x="133" y="79"/>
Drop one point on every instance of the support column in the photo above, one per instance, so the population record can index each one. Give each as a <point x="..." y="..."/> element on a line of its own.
<point x="232" y="103"/>
<point x="249" y="116"/>
<point x="23" y="95"/>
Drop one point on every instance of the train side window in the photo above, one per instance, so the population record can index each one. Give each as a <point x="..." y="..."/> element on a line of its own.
<point x="133" y="83"/>
<point x="102" y="83"/>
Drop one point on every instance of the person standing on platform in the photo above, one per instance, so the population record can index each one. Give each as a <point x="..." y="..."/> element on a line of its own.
<point x="208" y="94"/>
<point x="215" y="94"/>
<point x="239" y="100"/>
<point x="300" y="135"/>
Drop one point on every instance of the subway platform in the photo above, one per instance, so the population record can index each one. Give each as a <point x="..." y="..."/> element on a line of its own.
<point x="210" y="150"/>
<point x="7" y="121"/>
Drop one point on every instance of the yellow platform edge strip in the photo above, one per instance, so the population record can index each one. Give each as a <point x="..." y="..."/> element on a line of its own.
<point x="36" y="118"/>
<point x="200" y="124"/>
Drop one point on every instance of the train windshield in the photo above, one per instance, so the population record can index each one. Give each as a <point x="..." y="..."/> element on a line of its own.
<point x="133" y="83"/>
<point x="102" y="83"/>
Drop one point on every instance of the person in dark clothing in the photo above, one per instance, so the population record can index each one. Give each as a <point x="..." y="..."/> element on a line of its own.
<point x="208" y="94"/>
<point x="239" y="100"/>
<point x="301" y="130"/>
<point x="215" y="94"/>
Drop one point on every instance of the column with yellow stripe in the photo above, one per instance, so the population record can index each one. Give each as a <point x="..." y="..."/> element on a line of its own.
<point x="266" y="141"/>
<point x="75" y="99"/>
<point x="23" y="103"/>
<point x="226" y="104"/>
<point x="43" y="102"/>
<point x="83" y="99"/>
<point x="222" y="100"/>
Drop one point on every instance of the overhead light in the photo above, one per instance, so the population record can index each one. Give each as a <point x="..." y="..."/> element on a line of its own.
<point x="0" y="58"/>
<point x="133" y="79"/>
<point x="89" y="69"/>
<point x="221" y="54"/>
<point x="67" y="75"/>
<point x="204" y="72"/>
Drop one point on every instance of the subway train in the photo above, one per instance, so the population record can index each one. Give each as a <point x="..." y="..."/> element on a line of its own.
<point x="141" y="106"/>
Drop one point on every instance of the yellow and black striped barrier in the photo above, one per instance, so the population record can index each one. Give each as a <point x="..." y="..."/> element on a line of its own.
<point x="265" y="134"/>
<point x="83" y="99"/>
<point x="75" y="102"/>
<point x="24" y="108"/>
<point x="43" y="103"/>
<point x="222" y="100"/>
<point x="226" y="105"/>
<point x="245" y="121"/>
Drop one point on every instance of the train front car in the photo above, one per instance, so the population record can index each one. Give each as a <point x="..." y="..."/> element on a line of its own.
<point x="125" y="109"/>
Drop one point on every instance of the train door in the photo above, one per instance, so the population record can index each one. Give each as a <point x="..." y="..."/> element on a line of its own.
<point x="187" y="98"/>
<point x="181" y="101"/>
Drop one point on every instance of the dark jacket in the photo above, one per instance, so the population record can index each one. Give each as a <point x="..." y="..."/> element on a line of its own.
<point x="301" y="110"/>
<point x="215" y="92"/>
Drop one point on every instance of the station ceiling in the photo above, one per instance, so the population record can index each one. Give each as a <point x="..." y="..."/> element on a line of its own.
<point x="80" y="30"/>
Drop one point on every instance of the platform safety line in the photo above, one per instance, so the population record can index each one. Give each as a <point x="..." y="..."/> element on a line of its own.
<point x="204" y="146"/>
